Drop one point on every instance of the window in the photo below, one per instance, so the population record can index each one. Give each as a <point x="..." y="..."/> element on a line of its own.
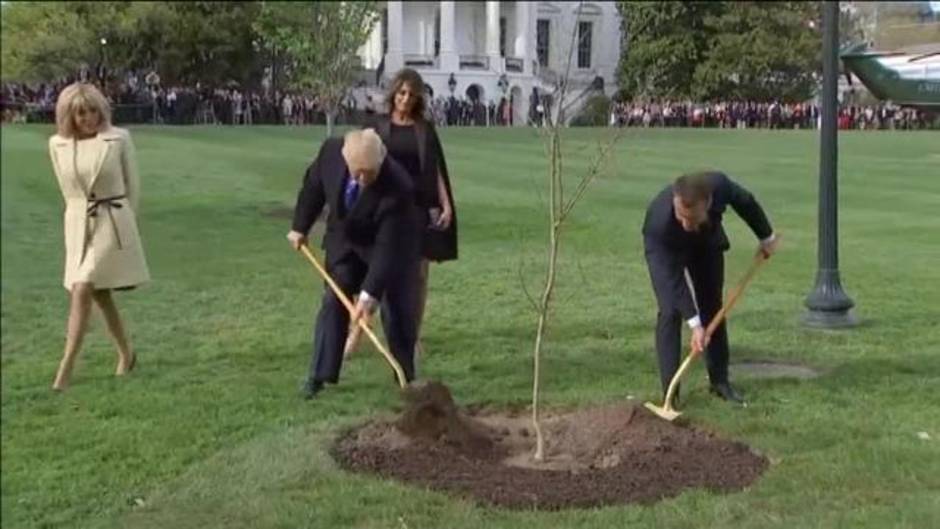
<point x="502" y="36"/>
<point x="584" y="44"/>
<point x="384" y="31"/>
<point x="542" y="40"/>
<point x="437" y="33"/>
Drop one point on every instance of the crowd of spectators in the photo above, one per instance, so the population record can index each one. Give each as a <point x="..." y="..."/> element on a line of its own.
<point x="465" y="111"/>
<point x="139" y="98"/>
<point x="754" y="115"/>
<point x="459" y="111"/>
<point x="142" y="98"/>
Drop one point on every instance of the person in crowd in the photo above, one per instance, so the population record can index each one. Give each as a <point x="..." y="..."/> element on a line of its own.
<point x="287" y="109"/>
<point x="96" y="168"/>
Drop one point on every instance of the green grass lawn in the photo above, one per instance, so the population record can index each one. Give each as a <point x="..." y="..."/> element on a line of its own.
<point x="210" y="431"/>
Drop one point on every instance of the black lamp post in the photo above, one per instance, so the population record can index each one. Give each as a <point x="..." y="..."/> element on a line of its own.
<point x="452" y="84"/>
<point x="829" y="306"/>
<point x="103" y="59"/>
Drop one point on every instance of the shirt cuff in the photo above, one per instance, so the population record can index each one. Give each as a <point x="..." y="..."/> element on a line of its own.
<point x="694" y="322"/>
<point x="365" y="296"/>
<point x="769" y="240"/>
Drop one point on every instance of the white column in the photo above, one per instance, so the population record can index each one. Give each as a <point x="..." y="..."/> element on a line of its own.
<point x="523" y="47"/>
<point x="394" y="60"/>
<point x="492" y="35"/>
<point x="611" y="58"/>
<point x="429" y="34"/>
<point x="449" y="59"/>
<point x="423" y="48"/>
<point x="375" y="45"/>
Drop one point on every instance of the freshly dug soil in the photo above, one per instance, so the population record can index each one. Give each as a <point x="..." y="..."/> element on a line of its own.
<point x="612" y="454"/>
<point x="431" y="416"/>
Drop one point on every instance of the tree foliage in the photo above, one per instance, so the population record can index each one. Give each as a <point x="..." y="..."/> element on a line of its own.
<point x="707" y="50"/>
<point x="320" y="41"/>
<point x="663" y="44"/>
<point x="187" y="42"/>
<point x="760" y="51"/>
<point x="43" y="40"/>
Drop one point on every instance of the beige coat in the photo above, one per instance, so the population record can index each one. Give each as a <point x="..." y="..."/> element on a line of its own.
<point x="102" y="244"/>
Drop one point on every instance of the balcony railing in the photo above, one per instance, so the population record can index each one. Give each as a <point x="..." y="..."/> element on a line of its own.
<point x="420" y="61"/>
<point x="515" y="64"/>
<point x="474" y="62"/>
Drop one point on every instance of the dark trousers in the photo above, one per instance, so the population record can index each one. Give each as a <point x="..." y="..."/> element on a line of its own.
<point x="707" y="270"/>
<point x="332" y="323"/>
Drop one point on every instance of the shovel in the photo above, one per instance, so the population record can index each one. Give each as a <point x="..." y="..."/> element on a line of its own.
<point x="666" y="411"/>
<point x="430" y="409"/>
<point x="399" y="373"/>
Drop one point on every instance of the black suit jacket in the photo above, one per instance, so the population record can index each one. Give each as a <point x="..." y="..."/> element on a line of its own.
<point x="440" y="245"/>
<point x="669" y="248"/>
<point x="379" y="227"/>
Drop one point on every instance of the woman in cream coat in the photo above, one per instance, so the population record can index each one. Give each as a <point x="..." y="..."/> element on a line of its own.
<point x="97" y="172"/>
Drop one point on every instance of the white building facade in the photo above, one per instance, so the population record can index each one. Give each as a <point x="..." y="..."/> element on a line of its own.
<point x="491" y="50"/>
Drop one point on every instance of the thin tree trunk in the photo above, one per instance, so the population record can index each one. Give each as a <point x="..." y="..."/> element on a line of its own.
<point x="554" y="214"/>
<point x="558" y="211"/>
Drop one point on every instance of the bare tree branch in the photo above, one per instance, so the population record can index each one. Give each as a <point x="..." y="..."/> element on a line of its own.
<point x="567" y="76"/>
<point x="595" y="168"/>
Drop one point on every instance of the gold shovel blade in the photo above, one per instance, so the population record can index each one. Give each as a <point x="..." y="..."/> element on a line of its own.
<point x="664" y="412"/>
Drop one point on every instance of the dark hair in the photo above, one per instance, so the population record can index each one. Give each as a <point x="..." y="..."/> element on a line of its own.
<point x="413" y="78"/>
<point x="693" y="188"/>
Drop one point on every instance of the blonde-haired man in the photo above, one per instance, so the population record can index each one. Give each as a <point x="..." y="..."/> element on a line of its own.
<point x="370" y="243"/>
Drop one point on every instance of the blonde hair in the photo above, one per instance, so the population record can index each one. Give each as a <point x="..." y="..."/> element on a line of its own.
<point x="363" y="149"/>
<point x="74" y="97"/>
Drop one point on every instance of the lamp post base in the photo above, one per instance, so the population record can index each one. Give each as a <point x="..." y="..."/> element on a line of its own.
<point x="829" y="306"/>
<point x="821" y="319"/>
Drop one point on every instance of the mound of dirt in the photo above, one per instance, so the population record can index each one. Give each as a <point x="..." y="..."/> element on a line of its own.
<point x="431" y="416"/>
<point x="612" y="454"/>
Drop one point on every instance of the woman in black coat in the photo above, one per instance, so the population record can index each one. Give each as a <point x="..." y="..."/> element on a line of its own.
<point x="412" y="141"/>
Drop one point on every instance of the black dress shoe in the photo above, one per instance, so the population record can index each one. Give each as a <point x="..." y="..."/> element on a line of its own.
<point x="726" y="392"/>
<point x="311" y="389"/>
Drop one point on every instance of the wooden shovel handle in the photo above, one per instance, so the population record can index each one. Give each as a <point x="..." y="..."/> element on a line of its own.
<point x="349" y="306"/>
<point x="759" y="260"/>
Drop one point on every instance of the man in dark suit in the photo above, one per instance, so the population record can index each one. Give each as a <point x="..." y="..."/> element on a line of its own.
<point x="684" y="243"/>
<point x="370" y="246"/>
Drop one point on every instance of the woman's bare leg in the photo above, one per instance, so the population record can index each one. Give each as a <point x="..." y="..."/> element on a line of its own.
<point x="105" y="302"/>
<point x="79" y="312"/>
